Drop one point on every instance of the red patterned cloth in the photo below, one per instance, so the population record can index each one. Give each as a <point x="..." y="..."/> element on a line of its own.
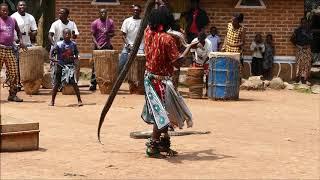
<point x="193" y="27"/>
<point x="160" y="88"/>
<point x="161" y="51"/>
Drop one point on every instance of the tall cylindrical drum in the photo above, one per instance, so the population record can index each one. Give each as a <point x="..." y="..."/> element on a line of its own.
<point x="195" y="82"/>
<point x="31" y="69"/>
<point x="223" y="83"/>
<point x="136" y="75"/>
<point x="106" y="66"/>
<point x="175" y="78"/>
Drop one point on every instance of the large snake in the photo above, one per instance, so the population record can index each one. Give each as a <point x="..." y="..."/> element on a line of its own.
<point x="149" y="5"/>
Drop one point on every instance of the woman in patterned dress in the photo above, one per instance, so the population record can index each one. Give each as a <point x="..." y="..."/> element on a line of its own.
<point x="302" y="39"/>
<point x="235" y="38"/>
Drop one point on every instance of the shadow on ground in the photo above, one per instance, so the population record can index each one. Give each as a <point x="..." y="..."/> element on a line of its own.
<point x="203" y="155"/>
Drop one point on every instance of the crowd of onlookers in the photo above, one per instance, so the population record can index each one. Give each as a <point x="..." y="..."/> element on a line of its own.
<point x="305" y="38"/>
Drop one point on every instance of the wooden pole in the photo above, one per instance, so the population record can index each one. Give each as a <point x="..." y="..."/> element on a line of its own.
<point x="149" y="5"/>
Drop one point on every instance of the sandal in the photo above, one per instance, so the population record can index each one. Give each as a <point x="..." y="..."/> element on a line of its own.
<point x="164" y="146"/>
<point x="152" y="150"/>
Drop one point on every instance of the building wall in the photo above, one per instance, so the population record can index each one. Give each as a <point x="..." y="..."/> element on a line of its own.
<point x="279" y="18"/>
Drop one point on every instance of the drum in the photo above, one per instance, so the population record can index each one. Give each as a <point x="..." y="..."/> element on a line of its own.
<point x="136" y="75"/>
<point x="195" y="82"/>
<point x="232" y="55"/>
<point x="31" y="69"/>
<point x="175" y="78"/>
<point x="223" y="80"/>
<point x="47" y="81"/>
<point x="106" y="66"/>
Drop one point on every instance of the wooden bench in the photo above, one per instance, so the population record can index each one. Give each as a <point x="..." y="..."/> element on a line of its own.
<point x="18" y="134"/>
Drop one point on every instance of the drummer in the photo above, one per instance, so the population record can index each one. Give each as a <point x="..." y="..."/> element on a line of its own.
<point x="28" y="28"/>
<point x="102" y="30"/>
<point x="200" y="54"/>
<point x="129" y="29"/>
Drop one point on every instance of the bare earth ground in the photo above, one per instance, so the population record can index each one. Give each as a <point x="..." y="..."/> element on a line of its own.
<point x="270" y="134"/>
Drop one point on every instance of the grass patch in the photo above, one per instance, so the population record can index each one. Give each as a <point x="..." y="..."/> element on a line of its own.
<point x="307" y="91"/>
<point x="302" y="90"/>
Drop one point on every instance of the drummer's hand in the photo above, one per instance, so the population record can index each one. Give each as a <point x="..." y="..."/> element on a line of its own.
<point x="23" y="47"/>
<point x="194" y="44"/>
<point x="231" y="45"/>
<point x="111" y="34"/>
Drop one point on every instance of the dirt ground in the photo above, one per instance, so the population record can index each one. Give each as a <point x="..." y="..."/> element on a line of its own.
<point x="265" y="135"/>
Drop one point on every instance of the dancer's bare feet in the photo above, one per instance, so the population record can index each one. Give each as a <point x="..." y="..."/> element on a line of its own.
<point x="80" y="103"/>
<point x="51" y="103"/>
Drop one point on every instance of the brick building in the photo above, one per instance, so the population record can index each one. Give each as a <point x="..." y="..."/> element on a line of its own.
<point x="278" y="17"/>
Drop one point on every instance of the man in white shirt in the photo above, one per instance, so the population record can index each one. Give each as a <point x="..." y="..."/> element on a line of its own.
<point x="57" y="27"/>
<point x="201" y="54"/>
<point x="26" y="23"/>
<point x="214" y="39"/>
<point x="28" y="28"/>
<point x="129" y="29"/>
<point x="56" y="31"/>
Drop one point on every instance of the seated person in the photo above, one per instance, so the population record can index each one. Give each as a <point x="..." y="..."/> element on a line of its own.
<point x="200" y="54"/>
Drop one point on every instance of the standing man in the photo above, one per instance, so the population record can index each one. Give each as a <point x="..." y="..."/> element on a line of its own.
<point x="57" y="27"/>
<point x="26" y="23"/>
<point x="102" y="30"/>
<point x="197" y="19"/>
<point x="214" y="39"/>
<point x="7" y="27"/>
<point x="56" y="32"/>
<point x="129" y="29"/>
<point x="28" y="27"/>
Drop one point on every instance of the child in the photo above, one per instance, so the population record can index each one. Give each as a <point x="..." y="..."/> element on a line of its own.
<point x="214" y="39"/>
<point x="200" y="54"/>
<point x="67" y="53"/>
<point x="268" y="57"/>
<point x="258" y="48"/>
